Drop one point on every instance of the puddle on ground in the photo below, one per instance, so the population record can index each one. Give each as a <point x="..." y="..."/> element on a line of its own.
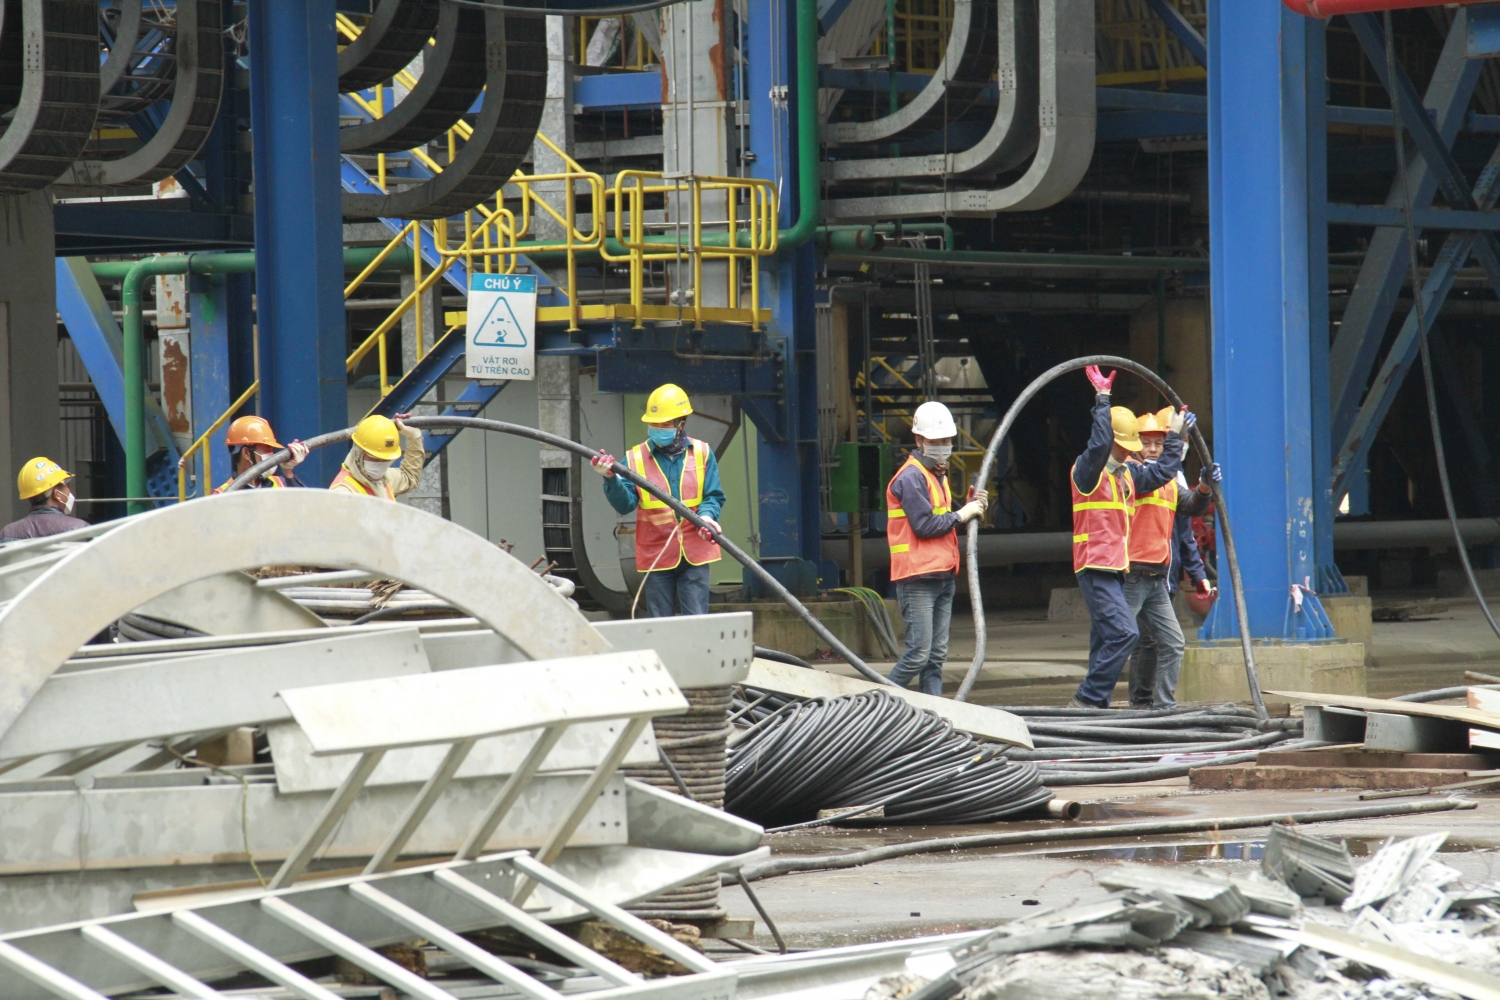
<point x="1231" y="850"/>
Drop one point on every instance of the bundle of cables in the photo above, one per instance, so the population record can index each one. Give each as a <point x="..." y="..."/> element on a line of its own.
<point x="866" y="750"/>
<point x="1087" y="746"/>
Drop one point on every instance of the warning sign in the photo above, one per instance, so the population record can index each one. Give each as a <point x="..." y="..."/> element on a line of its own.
<point x="502" y="326"/>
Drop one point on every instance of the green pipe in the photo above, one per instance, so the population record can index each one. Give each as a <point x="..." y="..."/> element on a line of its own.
<point x="132" y="276"/>
<point x="890" y="229"/>
<point x="808" y="152"/>
<point x="1102" y="262"/>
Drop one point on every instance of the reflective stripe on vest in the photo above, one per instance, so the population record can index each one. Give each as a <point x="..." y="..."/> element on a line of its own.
<point x="345" y="476"/>
<point x="1151" y="522"/>
<point x="910" y="555"/>
<point x="277" y="483"/>
<point x="659" y="542"/>
<point x="1101" y="522"/>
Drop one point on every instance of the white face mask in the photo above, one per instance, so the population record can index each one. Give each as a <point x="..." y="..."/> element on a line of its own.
<point x="375" y="470"/>
<point x="937" y="452"/>
<point x="68" y="507"/>
<point x="1112" y="465"/>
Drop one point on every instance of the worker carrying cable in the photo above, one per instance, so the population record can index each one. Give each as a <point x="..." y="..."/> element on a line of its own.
<point x="376" y="446"/>
<point x="1160" y="525"/>
<point x="672" y="553"/>
<point x="1104" y="483"/>
<point x="922" y="531"/>
<point x="44" y="483"/>
<point x="250" y="442"/>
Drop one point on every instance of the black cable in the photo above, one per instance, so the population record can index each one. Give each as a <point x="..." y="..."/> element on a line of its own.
<point x="566" y="11"/>
<point x="755" y="902"/>
<point x="566" y="444"/>
<point x="976" y="602"/>
<point x="780" y="657"/>
<point x="1422" y="328"/>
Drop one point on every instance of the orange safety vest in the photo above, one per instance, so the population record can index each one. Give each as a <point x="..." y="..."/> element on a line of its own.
<point x="1151" y="518"/>
<point x="345" y="476"/>
<point x="277" y="483"/>
<point x="910" y="555"/>
<point x="656" y="524"/>
<point x="1101" y="522"/>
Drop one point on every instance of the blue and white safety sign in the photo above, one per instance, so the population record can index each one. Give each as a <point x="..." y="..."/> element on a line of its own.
<point x="502" y="326"/>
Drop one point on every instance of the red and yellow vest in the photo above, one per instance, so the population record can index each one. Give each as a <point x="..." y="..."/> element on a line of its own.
<point x="1101" y="522"/>
<point x="656" y="524"/>
<point x="277" y="483"/>
<point x="1151" y="519"/>
<point x="910" y="555"/>
<point x="345" y="476"/>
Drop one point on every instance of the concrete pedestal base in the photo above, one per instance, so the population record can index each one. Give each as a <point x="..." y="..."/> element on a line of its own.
<point x="1216" y="673"/>
<point x="1350" y="615"/>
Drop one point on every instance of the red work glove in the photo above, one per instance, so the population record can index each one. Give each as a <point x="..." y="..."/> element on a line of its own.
<point x="1102" y="383"/>
<point x="708" y="535"/>
<point x="603" y="464"/>
<point x="1205" y="588"/>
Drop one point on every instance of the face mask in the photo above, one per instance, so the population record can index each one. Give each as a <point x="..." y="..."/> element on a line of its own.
<point x="68" y="507"/>
<point x="375" y="470"/>
<point x="937" y="452"/>
<point x="1112" y="465"/>
<point x="661" y="436"/>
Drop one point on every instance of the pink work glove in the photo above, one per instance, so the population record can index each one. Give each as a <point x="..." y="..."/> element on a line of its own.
<point x="1102" y="383"/>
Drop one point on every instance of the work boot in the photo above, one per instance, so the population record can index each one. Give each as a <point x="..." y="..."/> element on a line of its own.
<point x="1076" y="703"/>
<point x="1140" y="706"/>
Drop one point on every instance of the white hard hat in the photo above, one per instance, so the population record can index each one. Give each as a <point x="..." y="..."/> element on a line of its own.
<point x="933" y="420"/>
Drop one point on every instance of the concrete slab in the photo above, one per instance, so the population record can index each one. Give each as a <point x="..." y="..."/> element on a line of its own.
<point x="1350" y="616"/>
<point x="1216" y="673"/>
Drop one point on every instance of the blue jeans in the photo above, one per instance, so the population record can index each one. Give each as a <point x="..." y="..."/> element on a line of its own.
<point x="1158" y="659"/>
<point x="1112" y="634"/>
<point x="927" y="610"/>
<point x="684" y="586"/>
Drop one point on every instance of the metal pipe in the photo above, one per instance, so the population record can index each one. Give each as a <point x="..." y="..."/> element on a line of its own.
<point x="1104" y="831"/>
<point x="808" y="150"/>
<point x="683" y="511"/>
<point x="1003" y="258"/>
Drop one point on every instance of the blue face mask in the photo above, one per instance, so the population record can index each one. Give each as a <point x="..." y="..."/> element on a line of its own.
<point x="661" y="436"/>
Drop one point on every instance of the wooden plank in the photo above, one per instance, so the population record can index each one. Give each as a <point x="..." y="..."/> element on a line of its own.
<point x="1236" y="776"/>
<point x="1457" y="713"/>
<point x="977" y="720"/>
<point x="1367" y="758"/>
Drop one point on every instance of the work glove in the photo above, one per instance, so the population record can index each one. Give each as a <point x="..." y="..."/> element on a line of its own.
<point x="1205" y="588"/>
<point x="705" y="533"/>
<point x="412" y="434"/>
<point x="603" y="464"/>
<point x="1182" y="422"/>
<point x="971" y="510"/>
<point x="983" y="496"/>
<point x="299" y="455"/>
<point x="1208" y="477"/>
<point x="1101" y="383"/>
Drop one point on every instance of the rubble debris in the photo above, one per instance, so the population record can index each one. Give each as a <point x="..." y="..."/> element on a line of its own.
<point x="1309" y="865"/>
<point x="1392" y="868"/>
<point x="634" y="954"/>
<point x="1167" y="972"/>
<point x="1220" y="900"/>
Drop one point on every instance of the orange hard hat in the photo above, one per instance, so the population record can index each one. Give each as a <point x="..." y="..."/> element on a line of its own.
<point x="1150" y="424"/>
<point x="251" y="430"/>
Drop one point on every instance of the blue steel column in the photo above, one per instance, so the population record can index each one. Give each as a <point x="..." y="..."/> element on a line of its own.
<point x="1326" y="577"/>
<point x="298" y="227"/>
<point x="790" y="514"/>
<point x="1258" y="205"/>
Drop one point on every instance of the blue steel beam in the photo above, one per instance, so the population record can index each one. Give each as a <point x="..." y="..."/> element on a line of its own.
<point x="1431" y="218"/>
<point x="1182" y="28"/>
<point x="613" y="91"/>
<point x="1354" y="447"/>
<point x="210" y="319"/>
<point x="1373" y="299"/>
<point x="1258" y="85"/>
<point x="298" y="222"/>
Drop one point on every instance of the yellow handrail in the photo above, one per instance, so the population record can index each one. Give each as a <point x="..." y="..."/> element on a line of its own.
<point x="199" y="445"/>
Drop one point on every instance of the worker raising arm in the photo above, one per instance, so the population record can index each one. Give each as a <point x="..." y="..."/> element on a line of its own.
<point x="367" y="469"/>
<point x="44" y="483"/>
<point x="1104" y="482"/>
<point x="251" y="442"/>
<point x="672" y="553"/>
<point x="922" y="531"/>
<point x="1155" y="518"/>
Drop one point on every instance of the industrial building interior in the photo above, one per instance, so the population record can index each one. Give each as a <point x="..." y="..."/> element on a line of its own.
<point x="303" y="743"/>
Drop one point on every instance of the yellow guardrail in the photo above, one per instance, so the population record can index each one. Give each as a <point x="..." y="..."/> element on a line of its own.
<point x="958" y="462"/>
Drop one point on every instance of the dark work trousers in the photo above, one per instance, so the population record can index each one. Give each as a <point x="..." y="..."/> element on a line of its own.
<point x="681" y="590"/>
<point x="1112" y="634"/>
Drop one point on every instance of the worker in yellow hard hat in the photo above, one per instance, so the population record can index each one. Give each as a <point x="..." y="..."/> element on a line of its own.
<point x="1105" y="480"/>
<point x="250" y="442"/>
<point x="672" y="553"/>
<point x="377" y="443"/>
<point x="45" y="484"/>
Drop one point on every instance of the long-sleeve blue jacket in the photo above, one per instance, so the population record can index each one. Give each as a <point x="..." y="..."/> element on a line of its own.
<point x="623" y="498"/>
<point x="1147" y="476"/>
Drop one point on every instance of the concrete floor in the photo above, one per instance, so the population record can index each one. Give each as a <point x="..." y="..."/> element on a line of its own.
<point x="1032" y="661"/>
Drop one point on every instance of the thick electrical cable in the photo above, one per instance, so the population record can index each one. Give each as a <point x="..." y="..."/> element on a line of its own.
<point x="976" y="602"/>
<point x="1422" y="328"/>
<point x="869" y="749"/>
<point x="620" y="469"/>
<point x="638" y="8"/>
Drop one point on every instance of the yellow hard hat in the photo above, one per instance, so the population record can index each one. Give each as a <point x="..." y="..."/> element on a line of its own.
<point x="666" y="404"/>
<point x="40" y="475"/>
<point x="1127" y="430"/>
<point x="1152" y="423"/>
<point x="377" y="437"/>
